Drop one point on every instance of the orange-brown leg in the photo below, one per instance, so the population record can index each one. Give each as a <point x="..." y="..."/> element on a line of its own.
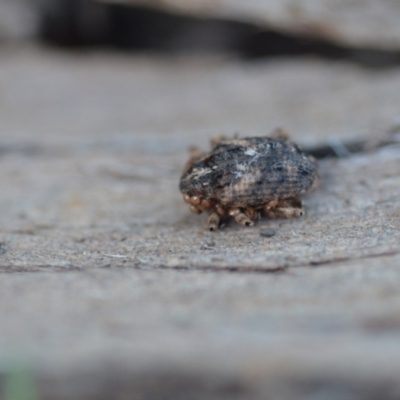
<point x="240" y="217"/>
<point x="252" y="213"/>
<point x="286" y="212"/>
<point x="195" y="210"/>
<point x="284" y="209"/>
<point x="213" y="221"/>
<point x="279" y="133"/>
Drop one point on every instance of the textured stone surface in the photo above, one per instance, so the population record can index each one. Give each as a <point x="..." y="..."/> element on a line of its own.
<point x="354" y="23"/>
<point x="312" y="331"/>
<point x="110" y="287"/>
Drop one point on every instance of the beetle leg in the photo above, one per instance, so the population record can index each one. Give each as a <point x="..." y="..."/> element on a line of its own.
<point x="240" y="217"/>
<point x="279" y="133"/>
<point x="213" y="221"/>
<point x="195" y="210"/>
<point x="287" y="212"/>
<point x="243" y="219"/>
<point x="252" y="213"/>
<point x="284" y="208"/>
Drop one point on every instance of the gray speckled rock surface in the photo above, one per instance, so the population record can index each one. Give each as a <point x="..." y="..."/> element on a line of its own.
<point x="111" y="288"/>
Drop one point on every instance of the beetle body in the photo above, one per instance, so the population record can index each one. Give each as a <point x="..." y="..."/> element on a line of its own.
<point x="245" y="177"/>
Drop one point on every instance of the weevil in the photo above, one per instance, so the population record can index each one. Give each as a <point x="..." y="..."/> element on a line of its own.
<point x="249" y="177"/>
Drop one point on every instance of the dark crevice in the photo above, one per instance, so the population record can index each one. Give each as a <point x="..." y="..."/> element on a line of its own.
<point x="238" y="269"/>
<point x="270" y="43"/>
<point x="346" y="259"/>
<point x="279" y="269"/>
<point x="82" y="23"/>
<point x="343" y="149"/>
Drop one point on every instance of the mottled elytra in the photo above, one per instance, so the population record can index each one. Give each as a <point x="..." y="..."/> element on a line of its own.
<point x="244" y="178"/>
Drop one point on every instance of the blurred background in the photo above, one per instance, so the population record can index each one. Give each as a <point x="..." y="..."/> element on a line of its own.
<point x="99" y="102"/>
<point x="366" y="32"/>
<point x="253" y="95"/>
